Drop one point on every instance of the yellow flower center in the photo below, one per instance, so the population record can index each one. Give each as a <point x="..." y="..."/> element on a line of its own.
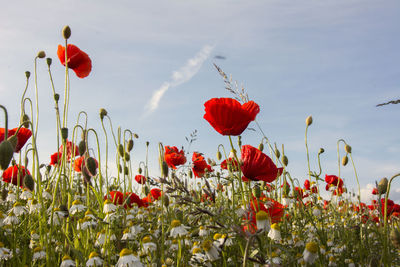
<point x="196" y="250"/>
<point x="275" y="226"/>
<point x="261" y="215"/>
<point x="207" y="245"/>
<point x="66" y="257"/>
<point x="146" y="239"/>
<point x="93" y="254"/>
<point x="107" y="202"/>
<point x="217" y="236"/>
<point x="274" y="255"/>
<point x="37" y="249"/>
<point x="76" y="202"/>
<point x="312" y="247"/>
<point x="175" y="223"/>
<point x="125" y="252"/>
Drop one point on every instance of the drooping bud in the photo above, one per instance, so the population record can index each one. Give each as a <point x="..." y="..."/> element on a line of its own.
<point x="49" y="61"/>
<point x="121" y="151"/>
<point x="25" y="121"/>
<point x="219" y="155"/>
<point x="285" y="160"/>
<point x="82" y="147"/>
<point x="127" y="157"/>
<point x="277" y="153"/>
<point x="29" y="182"/>
<point x="13" y="140"/>
<point x="119" y="168"/>
<point x="309" y="120"/>
<point x="164" y="169"/>
<point x="240" y="141"/>
<point x="66" y="32"/>
<point x="321" y="150"/>
<point x="129" y="145"/>
<point x="140" y="170"/>
<point x="345" y="159"/>
<point x="103" y="113"/>
<point x="6" y="153"/>
<point x="64" y="133"/>
<point x="136" y="135"/>
<point x="41" y="54"/>
<point x="126" y="170"/>
<point x="261" y="147"/>
<point x="91" y="165"/>
<point x="382" y="186"/>
<point x="56" y="97"/>
<point x="27" y="74"/>
<point x="347" y="148"/>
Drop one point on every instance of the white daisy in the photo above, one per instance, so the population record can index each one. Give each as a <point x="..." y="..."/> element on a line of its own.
<point x="127" y="259"/>
<point x="177" y="229"/>
<point x="94" y="260"/>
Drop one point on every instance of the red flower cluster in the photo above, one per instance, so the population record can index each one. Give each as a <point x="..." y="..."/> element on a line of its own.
<point x="257" y="166"/>
<point x="55" y="158"/>
<point x="11" y="174"/>
<point x="228" y="117"/>
<point x="310" y="187"/>
<point x="23" y="136"/>
<point x="141" y="179"/>
<point x="78" y="60"/>
<point x="199" y="165"/>
<point x="127" y="199"/>
<point x="173" y="157"/>
<point x="332" y="181"/>
<point x="69" y="151"/>
<point x="231" y="162"/>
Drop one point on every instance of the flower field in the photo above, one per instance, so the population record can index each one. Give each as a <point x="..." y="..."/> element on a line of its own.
<point x="240" y="207"/>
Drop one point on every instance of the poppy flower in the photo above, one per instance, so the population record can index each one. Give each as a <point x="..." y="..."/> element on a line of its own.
<point x="199" y="165"/>
<point x="69" y="149"/>
<point x="78" y="60"/>
<point x="10" y="175"/>
<point x="229" y="162"/>
<point x="332" y="181"/>
<point x="173" y="157"/>
<point x="257" y="166"/>
<point x="375" y="191"/>
<point x="141" y="179"/>
<point x="116" y="197"/>
<point x="55" y="158"/>
<point x="23" y="136"/>
<point x="228" y="117"/>
<point x="310" y="186"/>
<point x="155" y="193"/>
<point x="133" y="198"/>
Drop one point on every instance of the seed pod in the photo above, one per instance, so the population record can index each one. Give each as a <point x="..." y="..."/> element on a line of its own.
<point x="219" y="156"/>
<point x="382" y="186"/>
<point x="347" y="148"/>
<point x="82" y="147"/>
<point x="345" y="159"/>
<point x="49" y="61"/>
<point x="129" y="145"/>
<point x="64" y="133"/>
<point x="121" y="150"/>
<point x="66" y="32"/>
<point x="127" y="157"/>
<point x="261" y="147"/>
<point x="29" y="183"/>
<point x="285" y="160"/>
<point x="41" y="54"/>
<point x="309" y="120"/>
<point x="27" y="74"/>
<point x="6" y="153"/>
<point x="103" y="113"/>
<point x="25" y="121"/>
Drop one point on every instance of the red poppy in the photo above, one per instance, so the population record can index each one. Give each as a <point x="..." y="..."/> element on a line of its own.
<point x="336" y="182"/>
<point x="228" y="117"/>
<point x="310" y="187"/>
<point x="79" y="163"/>
<point x="55" y="158"/>
<point x="155" y="193"/>
<point x="69" y="149"/>
<point x="117" y="197"/>
<point x="230" y="162"/>
<point x="199" y="165"/>
<point x="173" y="157"/>
<point x="257" y="166"/>
<point x="133" y="198"/>
<point x="141" y="179"/>
<point x="375" y="191"/>
<point x="10" y="175"/>
<point x="23" y="136"/>
<point x="80" y="166"/>
<point x="78" y="60"/>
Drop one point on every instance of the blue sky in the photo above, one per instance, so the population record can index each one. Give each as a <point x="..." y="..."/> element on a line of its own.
<point x="334" y="60"/>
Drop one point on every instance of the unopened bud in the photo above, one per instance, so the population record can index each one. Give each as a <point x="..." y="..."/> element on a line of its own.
<point x="321" y="150"/>
<point x="126" y="170"/>
<point x="190" y="174"/>
<point x="49" y="61"/>
<point x="27" y="74"/>
<point x="146" y="190"/>
<point x="285" y="160"/>
<point x="347" y="148"/>
<point x="119" y="168"/>
<point x="382" y="186"/>
<point x="164" y="169"/>
<point x="29" y="182"/>
<point x="66" y="32"/>
<point x="64" y="133"/>
<point x="240" y="141"/>
<point x="219" y="156"/>
<point x="309" y="121"/>
<point x="91" y="165"/>
<point x="257" y="191"/>
<point x="129" y="145"/>
<point x="25" y="121"/>
<point x="136" y="135"/>
<point x="127" y="157"/>
<point x="121" y="151"/>
<point x="140" y="170"/>
<point x="165" y="200"/>
<point x="56" y="97"/>
<point x="261" y="147"/>
<point x="6" y="153"/>
<point x="277" y="153"/>
<point x="82" y="147"/>
<point x="103" y="113"/>
<point x="41" y="54"/>
<point x="345" y="159"/>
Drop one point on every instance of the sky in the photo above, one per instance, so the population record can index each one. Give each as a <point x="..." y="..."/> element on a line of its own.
<point x="153" y="71"/>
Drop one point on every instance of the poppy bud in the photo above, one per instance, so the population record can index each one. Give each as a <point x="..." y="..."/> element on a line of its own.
<point x="25" y="120"/>
<point x="129" y="146"/>
<point x="140" y="170"/>
<point x="13" y="140"/>
<point x="240" y="141"/>
<point x="29" y="182"/>
<point x="261" y="147"/>
<point x="136" y="135"/>
<point x="121" y="150"/>
<point x="395" y="238"/>
<point x="26" y="161"/>
<point x="66" y="32"/>
<point x="49" y="61"/>
<point x="382" y="186"/>
<point x="64" y="133"/>
<point x="285" y="160"/>
<point x="4" y="194"/>
<point x="27" y="74"/>
<point x="41" y="54"/>
<point x="257" y="191"/>
<point x="126" y="170"/>
<point x="56" y="97"/>
<point x="321" y="150"/>
<point x="165" y="200"/>
<point x="6" y="153"/>
<point x="146" y="190"/>
<point x="82" y="147"/>
<point x="190" y="174"/>
<point x="309" y="121"/>
<point x="277" y="153"/>
<point x="347" y="148"/>
<point x="103" y="113"/>
<point x="127" y="157"/>
<point x="164" y="169"/>
<point x="119" y="168"/>
<point x="345" y="159"/>
<point x="91" y="165"/>
<point x="219" y="156"/>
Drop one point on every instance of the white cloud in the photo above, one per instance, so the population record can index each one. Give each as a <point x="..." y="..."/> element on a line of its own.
<point x="180" y="76"/>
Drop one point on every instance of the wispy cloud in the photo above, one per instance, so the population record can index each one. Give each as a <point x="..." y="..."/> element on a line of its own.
<point x="178" y="77"/>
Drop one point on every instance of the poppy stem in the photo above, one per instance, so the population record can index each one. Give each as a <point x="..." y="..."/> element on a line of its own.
<point x="6" y="122"/>
<point x="240" y="172"/>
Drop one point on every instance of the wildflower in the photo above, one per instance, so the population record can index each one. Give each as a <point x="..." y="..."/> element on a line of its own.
<point x="127" y="259"/>
<point x="5" y="253"/>
<point x="148" y="246"/>
<point x="177" y="229"/>
<point x="76" y="207"/>
<point x="334" y="184"/>
<point x="46" y="195"/>
<point x="57" y="216"/>
<point x="23" y="136"/>
<point x="211" y="250"/>
<point x="275" y="233"/>
<point x="55" y="158"/>
<point x="26" y="194"/>
<point x="67" y="262"/>
<point x="101" y="238"/>
<point x="228" y="117"/>
<point x="18" y="209"/>
<point x="78" y="60"/>
<point x="38" y="253"/>
<point x="71" y="150"/>
<point x="198" y="258"/>
<point x="174" y="157"/>
<point x="199" y="165"/>
<point x="230" y="164"/>
<point x="262" y="220"/>
<point x="109" y="206"/>
<point x="34" y="206"/>
<point x="275" y="259"/>
<point x="257" y="166"/>
<point x="310" y="253"/>
<point x="94" y="260"/>
<point x="15" y="174"/>
<point x="127" y="235"/>
<point x="203" y="231"/>
<point x="11" y="196"/>
<point x="11" y="219"/>
<point x="140" y="179"/>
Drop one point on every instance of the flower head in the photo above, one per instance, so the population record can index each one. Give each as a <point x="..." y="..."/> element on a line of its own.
<point x="23" y="136"/>
<point x="199" y="165"/>
<point x="174" y="157"/>
<point x="228" y="117"/>
<point x="13" y="173"/>
<point x="78" y="60"/>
